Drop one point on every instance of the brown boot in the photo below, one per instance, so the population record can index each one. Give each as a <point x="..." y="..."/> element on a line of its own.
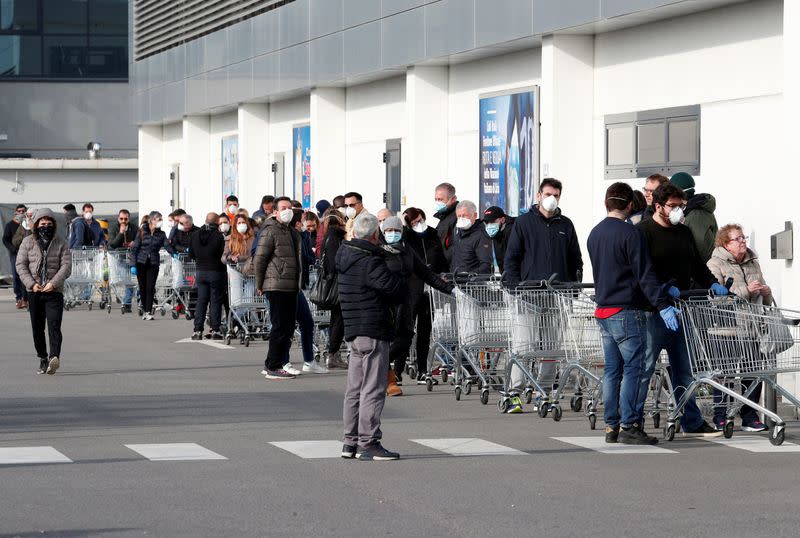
<point x="393" y="389"/>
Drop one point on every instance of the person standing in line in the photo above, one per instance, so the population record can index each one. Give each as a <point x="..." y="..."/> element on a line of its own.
<point x="265" y="209"/>
<point x="122" y="236"/>
<point x="444" y="204"/>
<point x="472" y="248"/>
<point x="353" y="207"/>
<point x="650" y="185"/>
<point x="368" y="291"/>
<point x="44" y="262"/>
<point x="498" y="227"/>
<point x="231" y="207"/>
<point x="698" y="215"/>
<point x="86" y="231"/>
<point x="334" y="236"/>
<point x="145" y="259"/>
<point x="8" y="233"/>
<point x="70" y="214"/>
<point x="205" y="248"/>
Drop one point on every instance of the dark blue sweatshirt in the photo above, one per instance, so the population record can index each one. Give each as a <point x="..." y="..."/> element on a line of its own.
<point x="623" y="274"/>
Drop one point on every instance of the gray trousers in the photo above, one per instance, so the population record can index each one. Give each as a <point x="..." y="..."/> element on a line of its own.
<point x="367" y="377"/>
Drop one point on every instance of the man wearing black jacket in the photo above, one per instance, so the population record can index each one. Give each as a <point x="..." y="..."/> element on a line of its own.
<point x="472" y="248"/>
<point x="498" y="226"/>
<point x="180" y="235"/>
<point x="206" y="247"/>
<point x="8" y="233"/>
<point x="445" y="202"/>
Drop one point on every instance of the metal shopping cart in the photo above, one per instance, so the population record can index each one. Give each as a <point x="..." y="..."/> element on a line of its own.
<point x="249" y="313"/>
<point x="444" y="336"/>
<point x="120" y="278"/>
<point x="163" y="298"/>
<point x="80" y="286"/>
<point x="184" y="281"/>
<point x="730" y="340"/>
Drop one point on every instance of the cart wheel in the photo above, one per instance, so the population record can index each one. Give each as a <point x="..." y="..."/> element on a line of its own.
<point x="576" y="404"/>
<point x="528" y="396"/>
<point x="227" y="339"/>
<point x="188" y="316"/>
<point x="543" y="409"/>
<point x="503" y="404"/>
<point x="122" y="310"/>
<point x="727" y="432"/>
<point x="247" y="341"/>
<point x="66" y="307"/>
<point x="90" y="306"/>
<point x="468" y="387"/>
<point x="669" y="432"/>
<point x="175" y="314"/>
<point x="163" y="312"/>
<point x="656" y="420"/>
<point x="108" y="308"/>
<point x="457" y="392"/>
<point x="557" y="413"/>
<point x="265" y="337"/>
<point x="592" y="422"/>
<point x="412" y="372"/>
<point x="777" y="436"/>
<point x="484" y="396"/>
<point x="444" y="375"/>
<point x="429" y="384"/>
<point x="141" y="312"/>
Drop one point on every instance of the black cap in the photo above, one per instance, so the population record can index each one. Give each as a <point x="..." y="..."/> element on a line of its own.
<point x="493" y="213"/>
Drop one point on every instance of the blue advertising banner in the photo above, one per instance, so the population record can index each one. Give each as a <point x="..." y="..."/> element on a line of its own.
<point x="230" y="166"/>
<point x="509" y="144"/>
<point x="302" y="164"/>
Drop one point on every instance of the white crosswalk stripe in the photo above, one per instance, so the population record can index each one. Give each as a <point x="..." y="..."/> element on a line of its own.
<point x="311" y="450"/>
<point x="175" y="452"/>
<point x="31" y="454"/>
<point x="599" y="444"/>
<point x="469" y="447"/>
<point x="754" y="443"/>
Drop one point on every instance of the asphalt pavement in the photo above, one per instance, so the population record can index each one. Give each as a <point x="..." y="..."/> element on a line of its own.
<point x="141" y="434"/>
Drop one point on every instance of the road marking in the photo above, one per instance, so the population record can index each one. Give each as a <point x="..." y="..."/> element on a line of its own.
<point x="31" y="454"/>
<point x="311" y="450"/>
<point x="469" y="447"/>
<point x="175" y="452"/>
<point x="599" y="444"/>
<point x="210" y="343"/>
<point x="755" y="443"/>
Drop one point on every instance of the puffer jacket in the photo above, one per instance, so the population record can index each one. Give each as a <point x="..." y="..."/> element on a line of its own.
<point x="724" y="266"/>
<point x="472" y="251"/>
<point x="146" y="247"/>
<point x="428" y="247"/>
<point x="277" y="262"/>
<point x="701" y="221"/>
<point x="30" y="259"/>
<point x="368" y="291"/>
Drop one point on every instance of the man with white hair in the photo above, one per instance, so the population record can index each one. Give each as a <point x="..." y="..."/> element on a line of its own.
<point x="472" y="247"/>
<point x="368" y="291"/>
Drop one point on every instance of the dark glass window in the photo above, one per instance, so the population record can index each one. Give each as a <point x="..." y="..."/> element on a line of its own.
<point x="65" y="56"/>
<point x="64" y="16"/>
<point x="108" y="57"/>
<point x="108" y="17"/>
<point x="20" y="56"/>
<point x="19" y="16"/>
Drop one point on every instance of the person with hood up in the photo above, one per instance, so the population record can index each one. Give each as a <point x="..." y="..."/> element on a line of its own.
<point x="205" y="248"/>
<point x="44" y="262"/>
<point x="698" y="215"/>
<point x="444" y="203"/>
<point x="472" y="248"/>
<point x="145" y="258"/>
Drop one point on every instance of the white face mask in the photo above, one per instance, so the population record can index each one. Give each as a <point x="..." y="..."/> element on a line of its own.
<point x="343" y="211"/>
<point x="88" y="215"/>
<point x="156" y="224"/>
<point x="233" y="209"/>
<point x="549" y="203"/>
<point x="350" y="212"/>
<point x="241" y="227"/>
<point x="463" y="223"/>
<point x="181" y="228"/>
<point x="676" y="216"/>
<point x="224" y="227"/>
<point x="285" y="216"/>
<point x="26" y="225"/>
<point x="420" y="227"/>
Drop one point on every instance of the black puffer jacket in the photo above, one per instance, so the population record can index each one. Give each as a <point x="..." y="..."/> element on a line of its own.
<point x="472" y="251"/>
<point x="277" y="263"/>
<point x="428" y="247"/>
<point x="330" y="246"/>
<point x="179" y="240"/>
<point x="206" y="247"/>
<point x="446" y="230"/>
<point x="368" y="291"/>
<point x="146" y="246"/>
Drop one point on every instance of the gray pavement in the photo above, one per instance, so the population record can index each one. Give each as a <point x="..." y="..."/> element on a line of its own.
<point x="127" y="382"/>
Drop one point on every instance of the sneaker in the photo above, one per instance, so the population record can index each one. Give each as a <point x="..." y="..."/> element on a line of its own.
<point x="42" y="367"/>
<point x="348" y="452"/>
<point x="376" y="452"/>
<point x="216" y="335"/>
<point x="126" y="308"/>
<point x="514" y="406"/>
<point x="334" y="360"/>
<point x="756" y="426"/>
<point x="291" y="370"/>
<point x="277" y="374"/>
<point x="314" y="368"/>
<point x="612" y="434"/>
<point x="52" y="365"/>
<point x="705" y="430"/>
<point x="197" y="335"/>
<point x="635" y="436"/>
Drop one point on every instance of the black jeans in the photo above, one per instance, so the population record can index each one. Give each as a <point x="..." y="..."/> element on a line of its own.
<point x="401" y="345"/>
<point x="147" y="276"/>
<point x="211" y="286"/>
<point x="336" y="330"/>
<point x="46" y="308"/>
<point x="19" y="288"/>
<point x="283" y="315"/>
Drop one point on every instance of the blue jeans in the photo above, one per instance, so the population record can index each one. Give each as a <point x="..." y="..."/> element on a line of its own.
<point x="306" y="324"/>
<point x="624" y="346"/>
<point x="659" y="338"/>
<point x="126" y="300"/>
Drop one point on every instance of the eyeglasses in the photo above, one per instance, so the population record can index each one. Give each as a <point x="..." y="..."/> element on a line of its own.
<point x="123" y="220"/>
<point x="740" y="238"/>
<point x="673" y="206"/>
<point x="648" y="191"/>
<point x="352" y="205"/>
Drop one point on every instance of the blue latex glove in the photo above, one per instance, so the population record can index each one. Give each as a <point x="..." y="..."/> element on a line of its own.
<point x="133" y="271"/>
<point x="670" y="317"/>
<point x="718" y="289"/>
<point x="673" y="292"/>
<point x="176" y="257"/>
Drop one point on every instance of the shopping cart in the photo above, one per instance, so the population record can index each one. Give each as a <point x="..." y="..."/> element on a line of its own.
<point x="86" y="273"/>
<point x="163" y="298"/>
<point x="444" y="336"/>
<point x="249" y="312"/>
<point x="322" y="318"/>
<point x="729" y="339"/>
<point x="120" y="278"/>
<point x="184" y="281"/>
<point x="483" y="336"/>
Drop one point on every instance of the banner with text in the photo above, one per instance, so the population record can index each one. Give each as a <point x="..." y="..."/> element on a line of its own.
<point x="302" y="164"/>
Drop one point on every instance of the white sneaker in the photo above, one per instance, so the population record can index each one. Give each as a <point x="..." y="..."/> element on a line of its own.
<point x="314" y="368"/>
<point x="289" y="369"/>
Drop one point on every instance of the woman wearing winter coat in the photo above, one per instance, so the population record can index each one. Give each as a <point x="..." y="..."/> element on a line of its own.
<point x="732" y="259"/>
<point x="44" y="263"/>
<point x="145" y="255"/>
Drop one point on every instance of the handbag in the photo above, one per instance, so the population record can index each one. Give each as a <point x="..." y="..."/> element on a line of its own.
<point x="325" y="292"/>
<point x="775" y="337"/>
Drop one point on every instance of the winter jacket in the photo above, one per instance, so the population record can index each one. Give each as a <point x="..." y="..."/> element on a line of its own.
<point x="540" y="247"/>
<point x="69" y="217"/>
<point x="119" y="240"/>
<point x="20" y="234"/>
<point x="701" y="221"/>
<point x="179" y="240"/>
<point x="330" y="247"/>
<point x="226" y="254"/>
<point x="146" y="247"/>
<point x="80" y="236"/>
<point x="724" y="266"/>
<point x="500" y="242"/>
<point x="307" y="258"/>
<point x="368" y="290"/>
<point x="472" y="251"/>
<point x="206" y="247"/>
<point x="58" y="262"/>
<point x="277" y="263"/>
<point x="428" y="247"/>
<point x="445" y="230"/>
<point x="8" y="233"/>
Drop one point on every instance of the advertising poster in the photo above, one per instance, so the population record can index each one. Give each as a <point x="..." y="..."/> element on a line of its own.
<point x="509" y="145"/>
<point x="302" y="164"/>
<point x="230" y="166"/>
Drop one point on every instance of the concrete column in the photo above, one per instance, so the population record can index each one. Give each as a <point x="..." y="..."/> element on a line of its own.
<point x="328" y="144"/>
<point x="255" y="175"/>
<point x="197" y="193"/>
<point x="154" y="184"/>
<point x="424" y="149"/>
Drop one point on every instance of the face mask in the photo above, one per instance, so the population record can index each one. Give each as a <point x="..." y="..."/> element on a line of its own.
<point x="18" y="218"/>
<point x="438" y="206"/>
<point x="181" y="228"/>
<point x="343" y="211"/>
<point x="350" y="212"/>
<point x="233" y="209"/>
<point x="550" y="203"/>
<point x="224" y="227"/>
<point x="492" y="228"/>
<point x="392" y="237"/>
<point x="156" y="224"/>
<point x="26" y="225"/>
<point x="420" y="227"/>
<point x="285" y="216"/>
<point x="87" y="215"/>
<point x="463" y="223"/>
<point x="241" y="227"/>
<point x="676" y="216"/>
<point x="45" y="232"/>
<point x="212" y="226"/>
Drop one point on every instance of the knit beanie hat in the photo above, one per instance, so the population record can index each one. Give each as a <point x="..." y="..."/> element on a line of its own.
<point x="684" y="181"/>
<point x="392" y="223"/>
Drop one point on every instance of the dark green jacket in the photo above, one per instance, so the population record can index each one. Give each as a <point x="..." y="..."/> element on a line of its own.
<point x="118" y="240"/>
<point x="701" y="221"/>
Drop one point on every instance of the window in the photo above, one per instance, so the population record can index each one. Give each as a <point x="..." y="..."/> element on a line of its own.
<point x="63" y="39"/>
<point x="663" y="141"/>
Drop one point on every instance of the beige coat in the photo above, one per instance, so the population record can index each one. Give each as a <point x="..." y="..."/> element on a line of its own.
<point x="723" y="266"/>
<point x="29" y="259"/>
